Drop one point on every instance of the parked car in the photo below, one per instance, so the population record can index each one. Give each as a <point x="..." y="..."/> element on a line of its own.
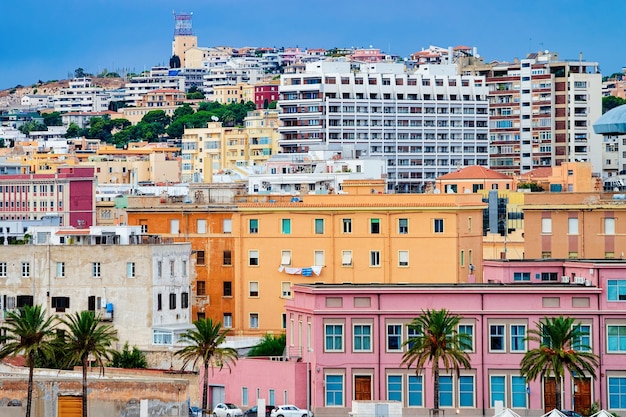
<point x="253" y="412"/>
<point x="289" y="410"/>
<point x="227" y="410"/>
<point x="195" y="411"/>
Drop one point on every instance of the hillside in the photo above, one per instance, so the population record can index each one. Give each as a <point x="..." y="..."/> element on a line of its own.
<point x="11" y="97"/>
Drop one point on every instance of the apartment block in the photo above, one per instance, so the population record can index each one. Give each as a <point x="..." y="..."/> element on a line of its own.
<point x="424" y="123"/>
<point x="81" y="96"/>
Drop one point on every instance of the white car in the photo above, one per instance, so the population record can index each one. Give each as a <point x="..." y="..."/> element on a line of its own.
<point x="227" y="410"/>
<point x="289" y="410"/>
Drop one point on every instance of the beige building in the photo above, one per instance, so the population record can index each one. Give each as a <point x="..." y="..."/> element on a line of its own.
<point x="167" y="100"/>
<point x="239" y="93"/>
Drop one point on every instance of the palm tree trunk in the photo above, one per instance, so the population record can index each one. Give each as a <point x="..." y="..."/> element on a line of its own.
<point x="205" y="384"/>
<point x="85" y="363"/>
<point x="557" y="388"/>
<point x="31" y="371"/>
<point x="435" y="389"/>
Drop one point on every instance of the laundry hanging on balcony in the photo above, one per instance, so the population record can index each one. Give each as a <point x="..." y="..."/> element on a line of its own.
<point x="305" y="272"/>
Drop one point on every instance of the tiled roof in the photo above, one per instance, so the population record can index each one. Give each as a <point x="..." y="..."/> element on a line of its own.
<point x="474" y="172"/>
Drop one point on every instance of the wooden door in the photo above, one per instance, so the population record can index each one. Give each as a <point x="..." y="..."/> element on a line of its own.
<point x="549" y="394"/>
<point x="582" y="395"/>
<point x="70" y="406"/>
<point x="363" y="388"/>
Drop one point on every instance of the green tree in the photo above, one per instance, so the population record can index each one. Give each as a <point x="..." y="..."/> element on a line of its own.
<point x="29" y="332"/>
<point x="203" y="345"/>
<point x="52" y="119"/>
<point x="610" y="102"/>
<point x="32" y="126"/>
<point x="559" y="350"/>
<point x="174" y="61"/>
<point x="86" y="336"/>
<point x="130" y="359"/>
<point x="73" y="131"/>
<point x="181" y="111"/>
<point x="437" y="342"/>
<point x="156" y="116"/>
<point x="79" y="73"/>
<point x="270" y="345"/>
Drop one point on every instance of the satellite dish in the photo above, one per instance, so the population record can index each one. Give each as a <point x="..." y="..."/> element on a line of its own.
<point x="215" y="118"/>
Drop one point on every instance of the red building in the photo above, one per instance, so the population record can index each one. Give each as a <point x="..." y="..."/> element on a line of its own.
<point x="264" y="94"/>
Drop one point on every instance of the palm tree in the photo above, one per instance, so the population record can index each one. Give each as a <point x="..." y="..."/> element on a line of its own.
<point x="557" y="337"/>
<point x="86" y="336"/>
<point x="203" y="345"/>
<point x="437" y="341"/>
<point x="28" y="332"/>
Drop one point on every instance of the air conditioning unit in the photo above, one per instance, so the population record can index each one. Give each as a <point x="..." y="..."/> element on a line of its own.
<point x="588" y="283"/>
<point x="579" y="280"/>
<point x="565" y="279"/>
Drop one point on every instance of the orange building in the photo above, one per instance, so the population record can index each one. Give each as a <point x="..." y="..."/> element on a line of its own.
<point x="250" y="255"/>
<point x="473" y="179"/>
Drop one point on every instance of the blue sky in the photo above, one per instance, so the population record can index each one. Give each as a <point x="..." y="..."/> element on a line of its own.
<point x="46" y="40"/>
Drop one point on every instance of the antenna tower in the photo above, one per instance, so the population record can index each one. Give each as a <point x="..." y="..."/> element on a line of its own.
<point x="183" y="24"/>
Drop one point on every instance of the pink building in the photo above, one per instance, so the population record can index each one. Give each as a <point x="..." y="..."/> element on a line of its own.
<point x="69" y="193"/>
<point x="351" y="338"/>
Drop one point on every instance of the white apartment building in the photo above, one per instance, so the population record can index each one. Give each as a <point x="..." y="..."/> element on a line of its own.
<point x="424" y="124"/>
<point x="81" y="96"/>
<point x="235" y="71"/>
<point x="159" y="78"/>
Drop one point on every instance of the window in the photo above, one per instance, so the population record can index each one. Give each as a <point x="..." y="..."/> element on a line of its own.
<point x="254" y="320"/>
<point x="415" y="391"/>
<point x="253" y="289"/>
<point x="286" y="226"/>
<point x="3" y="269"/>
<point x="174" y="227"/>
<point x="445" y="391"/>
<point x="549" y="276"/>
<point x="244" y="395"/>
<point x="374" y="226"/>
<point x="518" y="391"/>
<point x="572" y="226"/>
<point x="319" y="258"/>
<point x="95" y="269"/>
<point x="200" y="288"/>
<point x="346" y="258"/>
<point x="333" y="334"/>
<point x="60" y="269"/>
<point x="468" y="329"/>
<point x="497" y="389"/>
<point x="583" y="342"/>
<point x="466" y="391"/>
<point x="227" y="258"/>
<point x="438" y="225"/>
<point x="394" y="337"/>
<point x="26" y="270"/>
<point x="172" y="301"/>
<point x="172" y="268"/>
<point x="161" y="337"/>
<point x="403" y="226"/>
<point x="394" y="388"/>
<point x="60" y="303"/>
<point x="253" y="226"/>
<point x="334" y="390"/>
<point x="184" y="300"/>
<point x="546" y="225"/>
<point x="285" y="257"/>
<point x="130" y="270"/>
<point x="616" y="338"/>
<point x="200" y="260"/>
<point x="609" y="226"/>
<point x="374" y="258"/>
<point x="518" y="334"/>
<point x="285" y="289"/>
<point x="159" y="302"/>
<point x="496" y="338"/>
<point x="521" y="276"/>
<point x="201" y="226"/>
<point x="362" y="334"/>
<point x="616" y="289"/>
<point x="227" y="226"/>
<point x="319" y="226"/>
<point x="617" y="392"/>
<point x="347" y="225"/>
<point x="227" y="289"/>
<point x="403" y="258"/>
<point x="253" y="258"/>
<point x="228" y="320"/>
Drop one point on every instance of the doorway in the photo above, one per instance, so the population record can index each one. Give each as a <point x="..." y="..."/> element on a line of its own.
<point x="363" y="387"/>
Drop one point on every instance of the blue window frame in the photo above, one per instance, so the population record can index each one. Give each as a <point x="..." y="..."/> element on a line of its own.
<point x="394" y="387"/>
<point x="446" y="394"/>
<point x="521" y="276"/>
<point x="319" y="226"/>
<point x="334" y="390"/>
<point x="616" y="289"/>
<point x="518" y="333"/>
<point x="466" y="391"/>
<point x="286" y="227"/>
<point x="415" y="391"/>
<point x="518" y="391"/>
<point x="583" y="342"/>
<point x="334" y="337"/>
<point x="617" y="392"/>
<point x="616" y="338"/>
<point x="497" y="390"/>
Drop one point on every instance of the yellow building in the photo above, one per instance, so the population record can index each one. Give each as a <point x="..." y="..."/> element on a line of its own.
<point x="240" y="93"/>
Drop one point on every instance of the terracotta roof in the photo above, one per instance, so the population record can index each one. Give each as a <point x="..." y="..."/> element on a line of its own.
<point x="462" y="48"/>
<point x="540" y="172"/>
<point x="73" y="232"/>
<point x="473" y="172"/>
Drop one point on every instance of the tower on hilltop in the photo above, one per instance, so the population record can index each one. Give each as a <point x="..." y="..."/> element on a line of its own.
<point x="184" y="38"/>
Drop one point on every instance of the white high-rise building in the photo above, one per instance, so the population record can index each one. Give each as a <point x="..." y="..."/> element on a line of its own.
<point x="81" y="96"/>
<point x="424" y="123"/>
